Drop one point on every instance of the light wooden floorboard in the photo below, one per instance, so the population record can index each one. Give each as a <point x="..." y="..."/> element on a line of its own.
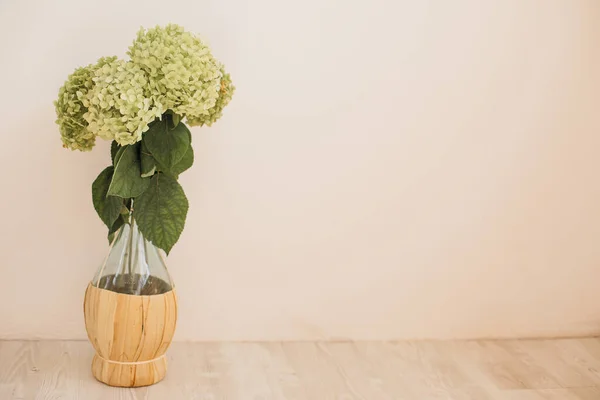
<point x="562" y="369"/>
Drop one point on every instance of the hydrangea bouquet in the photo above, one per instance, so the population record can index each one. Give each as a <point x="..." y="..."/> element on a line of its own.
<point x="140" y="104"/>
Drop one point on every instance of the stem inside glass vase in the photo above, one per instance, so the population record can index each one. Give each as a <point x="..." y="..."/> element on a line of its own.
<point x="130" y="263"/>
<point x="134" y="265"/>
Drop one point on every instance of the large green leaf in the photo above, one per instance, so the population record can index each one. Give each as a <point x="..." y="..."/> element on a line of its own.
<point x="189" y="135"/>
<point x="148" y="163"/>
<point x="127" y="180"/>
<point x="161" y="210"/>
<point x="167" y="144"/>
<point x="107" y="207"/>
<point x="114" y="148"/>
<point x="118" y="155"/>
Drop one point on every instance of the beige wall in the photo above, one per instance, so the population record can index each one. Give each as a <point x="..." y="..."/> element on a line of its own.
<point x="387" y="169"/>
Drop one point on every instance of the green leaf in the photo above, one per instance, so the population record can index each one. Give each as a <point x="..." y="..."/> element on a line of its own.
<point x="172" y="117"/>
<point x="118" y="155"/>
<point x="185" y="163"/>
<point x="148" y="164"/>
<point x="189" y="135"/>
<point x="125" y="210"/>
<point x="160" y="211"/>
<point x="114" y="147"/>
<point x="119" y="222"/>
<point x="107" y="207"/>
<point x="176" y="119"/>
<point x="127" y="180"/>
<point x="167" y="145"/>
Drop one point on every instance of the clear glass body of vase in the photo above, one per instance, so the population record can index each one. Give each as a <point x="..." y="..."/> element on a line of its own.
<point x="133" y="265"/>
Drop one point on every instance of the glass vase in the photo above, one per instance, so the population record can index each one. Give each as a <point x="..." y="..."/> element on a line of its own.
<point x="130" y="311"/>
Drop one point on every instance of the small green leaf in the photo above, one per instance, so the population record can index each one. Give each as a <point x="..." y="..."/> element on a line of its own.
<point x="114" y="147"/>
<point x="176" y="119"/>
<point x="127" y="180"/>
<point x="149" y="173"/>
<point x="172" y="118"/>
<point x="119" y="222"/>
<point x="148" y="164"/>
<point x="167" y="145"/>
<point x="161" y="210"/>
<point x="107" y="207"/>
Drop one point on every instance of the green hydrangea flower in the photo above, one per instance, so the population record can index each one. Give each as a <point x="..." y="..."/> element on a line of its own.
<point x="184" y="76"/>
<point x="70" y="107"/>
<point x="119" y="103"/>
<point x="226" y="90"/>
<point x="170" y="69"/>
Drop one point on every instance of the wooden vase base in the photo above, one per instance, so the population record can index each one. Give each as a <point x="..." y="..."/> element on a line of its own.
<point x="129" y="374"/>
<point x="130" y="334"/>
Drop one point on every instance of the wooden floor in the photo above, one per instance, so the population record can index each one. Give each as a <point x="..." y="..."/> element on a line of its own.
<point x="565" y="369"/>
